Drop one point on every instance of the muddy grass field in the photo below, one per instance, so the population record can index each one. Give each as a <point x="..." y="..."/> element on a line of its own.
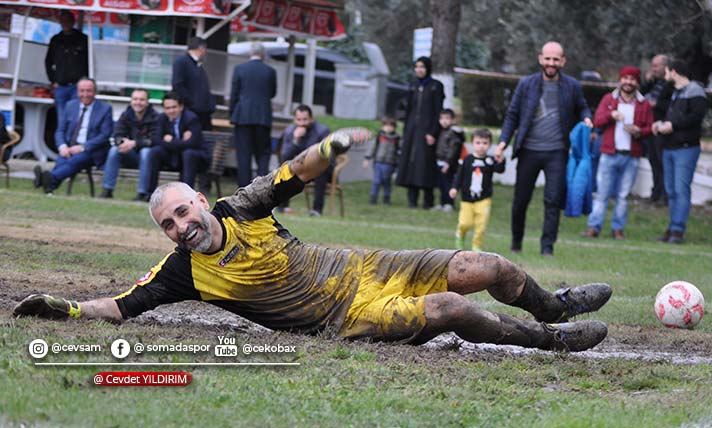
<point x="641" y="375"/>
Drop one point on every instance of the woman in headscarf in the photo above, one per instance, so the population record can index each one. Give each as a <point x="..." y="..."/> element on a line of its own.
<point x="417" y="168"/>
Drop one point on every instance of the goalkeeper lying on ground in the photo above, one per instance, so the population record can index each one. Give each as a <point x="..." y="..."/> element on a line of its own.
<point x="239" y="257"/>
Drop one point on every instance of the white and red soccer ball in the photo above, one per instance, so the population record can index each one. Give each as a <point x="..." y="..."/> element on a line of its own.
<point x="679" y="304"/>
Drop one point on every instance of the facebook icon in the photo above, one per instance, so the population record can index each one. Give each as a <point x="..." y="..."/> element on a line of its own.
<point x="120" y="348"/>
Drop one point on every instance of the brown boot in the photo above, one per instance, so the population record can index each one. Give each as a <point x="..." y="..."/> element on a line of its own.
<point x="665" y="237"/>
<point x="675" y="238"/>
<point x="618" y="234"/>
<point x="590" y="233"/>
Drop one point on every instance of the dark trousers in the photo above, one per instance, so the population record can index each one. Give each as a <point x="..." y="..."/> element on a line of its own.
<point x="252" y="140"/>
<point x="530" y="163"/>
<point x="189" y="162"/>
<point x="655" y="156"/>
<point x="427" y="196"/>
<point x="320" y="188"/>
<point x="206" y="122"/>
<point x="445" y="183"/>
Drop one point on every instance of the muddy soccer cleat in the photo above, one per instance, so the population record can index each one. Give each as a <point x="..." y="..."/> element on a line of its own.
<point x="46" y="306"/>
<point x="575" y="336"/>
<point x="583" y="299"/>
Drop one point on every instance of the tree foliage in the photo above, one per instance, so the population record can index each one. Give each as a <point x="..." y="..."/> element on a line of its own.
<point x="598" y="35"/>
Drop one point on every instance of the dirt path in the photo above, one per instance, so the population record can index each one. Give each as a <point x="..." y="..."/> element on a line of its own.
<point x="72" y="233"/>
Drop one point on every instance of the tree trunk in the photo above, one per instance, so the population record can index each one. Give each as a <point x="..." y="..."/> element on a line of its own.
<point x="446" y="20"/>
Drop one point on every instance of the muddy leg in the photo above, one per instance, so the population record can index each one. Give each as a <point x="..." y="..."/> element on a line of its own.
<point x="470" y="272"/>
<point x="445" y="312"/>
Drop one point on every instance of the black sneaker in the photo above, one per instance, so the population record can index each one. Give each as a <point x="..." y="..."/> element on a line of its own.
<point x="141" y="197"/>
<point x="576" y="336"/>
<point x="583" y="299"/>
<point x="37" y="181"/>
<point x="107" y="193"/>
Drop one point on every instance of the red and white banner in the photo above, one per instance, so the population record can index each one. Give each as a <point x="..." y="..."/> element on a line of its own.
<point x="205" y="8"/>
<point x="297" y="19"/>
<point x="98" y="19"/>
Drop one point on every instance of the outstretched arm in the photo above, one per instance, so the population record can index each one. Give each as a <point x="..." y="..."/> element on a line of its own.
<point x="310" y="163"/>
<point x="46" y="306"/>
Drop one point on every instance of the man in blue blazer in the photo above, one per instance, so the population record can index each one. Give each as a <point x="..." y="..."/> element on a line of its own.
<point x="254" y="83"/>
<point x="178" y="144"/>
<point x="191" y="82"/>
<point x="82" y="137"/>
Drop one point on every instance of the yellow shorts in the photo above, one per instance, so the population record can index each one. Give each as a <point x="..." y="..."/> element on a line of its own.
<point x="389" y="303"/>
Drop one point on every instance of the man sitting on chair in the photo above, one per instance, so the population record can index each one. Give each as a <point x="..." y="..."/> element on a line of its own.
<point x="178" y="143"/>
<point x="299" y="136"/>
<point x="82" y="137"/>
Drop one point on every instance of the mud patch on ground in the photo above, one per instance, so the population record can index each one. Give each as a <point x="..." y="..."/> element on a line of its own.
<point x="72" y="233"/>
<point x="631" y="343"/>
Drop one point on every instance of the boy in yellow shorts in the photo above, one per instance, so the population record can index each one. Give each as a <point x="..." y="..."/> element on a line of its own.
<point x="474" y="182"/>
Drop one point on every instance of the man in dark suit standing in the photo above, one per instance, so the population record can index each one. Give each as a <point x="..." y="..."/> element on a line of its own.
<point x="190" y="81"/>
<point x="82" y="137"/>
<point x="254" y="83"/>
<point x="178" y="143"/>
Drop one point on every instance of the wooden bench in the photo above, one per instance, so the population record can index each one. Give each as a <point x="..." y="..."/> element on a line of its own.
<point x="220" y="142"/>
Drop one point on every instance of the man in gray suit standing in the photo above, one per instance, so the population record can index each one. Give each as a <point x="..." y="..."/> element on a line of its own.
<point x="254" y="83"/>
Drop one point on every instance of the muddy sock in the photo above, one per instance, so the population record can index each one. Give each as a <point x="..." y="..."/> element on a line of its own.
<point x="529" y="334"/>
<point x="539" y="302"/>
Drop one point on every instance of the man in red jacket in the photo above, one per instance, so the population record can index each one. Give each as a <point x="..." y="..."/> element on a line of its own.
<point x="626" y="117"/>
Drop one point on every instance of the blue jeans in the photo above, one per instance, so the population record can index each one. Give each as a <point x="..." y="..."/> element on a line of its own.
<point x="382" y="173"/>
<point x="678" y="171"/>
<point x="613" y="171"/>
<point x="132" y="159"/>
<point x="62" y="95"/>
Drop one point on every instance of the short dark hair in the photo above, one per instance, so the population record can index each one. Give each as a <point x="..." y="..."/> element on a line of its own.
<point x="388" y="120"/>
<point x="67" y="14"/>
<point x="172" y="95"/>
<point x="197" y="42"/>
<point x="448" y="112"/>
<point x="680" y="67"/>
<point x="304" y="109"/>
<point x="88" y="79"/>
<point x="145" y="91"/>
<point x="482" y="133"/>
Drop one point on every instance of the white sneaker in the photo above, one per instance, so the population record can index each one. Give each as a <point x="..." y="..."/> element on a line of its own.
<point x="314" y="213"/>
<point x="447" y="208"/>
<point x="437" y="208"/>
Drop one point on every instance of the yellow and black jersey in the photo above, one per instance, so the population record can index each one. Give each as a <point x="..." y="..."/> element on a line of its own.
<point x="261" y="272"/>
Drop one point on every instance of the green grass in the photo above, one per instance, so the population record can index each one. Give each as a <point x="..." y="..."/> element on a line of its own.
<point x="353" y="383"/>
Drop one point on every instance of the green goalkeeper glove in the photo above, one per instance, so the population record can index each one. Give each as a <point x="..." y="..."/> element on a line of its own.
<point x="46" y="306"/>
<point x="340" y="141"/>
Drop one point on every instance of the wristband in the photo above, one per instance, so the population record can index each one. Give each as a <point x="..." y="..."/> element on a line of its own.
<point x="75" y="311"/>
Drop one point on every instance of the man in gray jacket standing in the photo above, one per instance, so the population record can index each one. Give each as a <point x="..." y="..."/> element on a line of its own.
<point x="254" y="83"/>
